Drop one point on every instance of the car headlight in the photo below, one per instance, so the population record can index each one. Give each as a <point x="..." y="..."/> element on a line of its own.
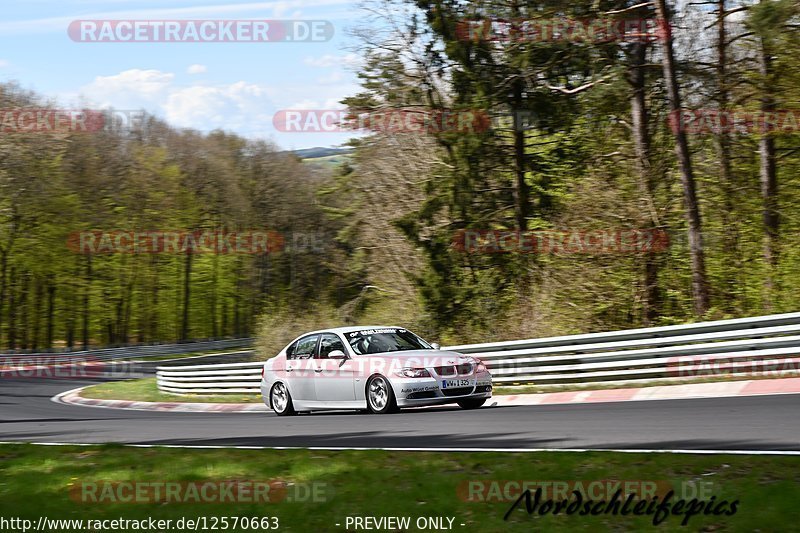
<point x="479" y="366"/>
<point x="413" y="373"/>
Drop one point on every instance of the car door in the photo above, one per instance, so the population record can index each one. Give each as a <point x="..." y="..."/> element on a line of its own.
<point x="300" y="368"/>
<point x="334" y="378"/>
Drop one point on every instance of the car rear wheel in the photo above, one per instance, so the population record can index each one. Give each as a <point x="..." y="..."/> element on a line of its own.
<point x="281" y="400"/>
<point x="380" y="396"/>
<point x="472" y="403"/>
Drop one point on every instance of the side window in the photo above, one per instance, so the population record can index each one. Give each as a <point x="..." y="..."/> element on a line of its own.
<point x="290" y="350"/>
<point x="305" y="347"/>
<point x="329" y="343"/>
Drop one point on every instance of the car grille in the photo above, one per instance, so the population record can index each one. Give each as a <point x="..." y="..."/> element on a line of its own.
<point x="458" y="391"/>
<point x="454" y="370"/>
<point x="483" y="388"/>
<point x="445" y="370"/>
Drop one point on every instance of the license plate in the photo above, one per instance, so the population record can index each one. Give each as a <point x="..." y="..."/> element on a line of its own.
<point x="451" y="383"/>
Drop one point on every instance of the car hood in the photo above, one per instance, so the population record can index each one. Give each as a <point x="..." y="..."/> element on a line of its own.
<point x="430" y="357"/>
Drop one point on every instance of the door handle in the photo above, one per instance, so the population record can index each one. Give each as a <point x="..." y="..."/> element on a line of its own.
<point x="289" y="369"/>
<point x="317" y="370"/>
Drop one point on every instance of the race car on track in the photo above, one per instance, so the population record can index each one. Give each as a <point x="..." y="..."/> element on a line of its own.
<point x="375" y="368"/>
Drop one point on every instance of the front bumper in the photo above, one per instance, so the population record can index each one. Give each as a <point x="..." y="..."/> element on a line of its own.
<point x="412" y="392"/>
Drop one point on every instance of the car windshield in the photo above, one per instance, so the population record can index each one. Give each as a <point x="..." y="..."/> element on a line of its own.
<point x="385" y="340"/>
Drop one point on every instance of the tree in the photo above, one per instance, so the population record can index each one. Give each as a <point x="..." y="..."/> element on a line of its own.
<point x="691" y="204"/>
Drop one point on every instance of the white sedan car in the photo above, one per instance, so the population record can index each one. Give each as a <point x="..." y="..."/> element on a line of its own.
<point x="379" y="368"/>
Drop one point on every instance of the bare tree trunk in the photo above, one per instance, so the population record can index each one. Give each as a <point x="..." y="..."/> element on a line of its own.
<point x="72" y="305"/>
<point x="51" y="302"/>
<point x="124" y="332"/>
<point x="212" y="301"/>
<point x="237" y="326"/>
<point x="187" y="283"/>
<point x="111" y="338"/>
<point x="521" y="189"/>
<point x="24" y="306"/>
<point x="12" y="311"/>
<point x="37" y="311"/>
<point x="86" y="291"/>
<point x="3" y="284"/>
<point x="729" y="219"/>
<point x="153" y="314"/>
<point x="116" y="324"/>
<point x="641" y="143"/>
<point x="769" y="179"/>
<point x="696" y="251"/>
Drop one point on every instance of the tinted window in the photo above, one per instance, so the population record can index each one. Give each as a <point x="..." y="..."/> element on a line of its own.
<point x="385" y="340"/>
<point x="329" y="343"/>
<point x="304" y="348"/>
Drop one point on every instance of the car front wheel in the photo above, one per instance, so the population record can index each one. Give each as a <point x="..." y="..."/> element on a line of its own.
<point x="281" y="400"/>
<point x="380" y="396"/>
<point x="472" y="403"/>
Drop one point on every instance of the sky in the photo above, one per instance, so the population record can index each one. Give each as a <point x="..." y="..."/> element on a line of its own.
<point x="235" y="86"/>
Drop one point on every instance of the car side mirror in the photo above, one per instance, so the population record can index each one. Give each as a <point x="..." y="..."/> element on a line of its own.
<point x="337" y="354"/>
<point x="435" y="346"/>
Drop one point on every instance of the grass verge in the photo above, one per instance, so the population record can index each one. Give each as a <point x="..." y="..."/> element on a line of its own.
<point x="146" y="390"/>
<point x="38" y="480"/>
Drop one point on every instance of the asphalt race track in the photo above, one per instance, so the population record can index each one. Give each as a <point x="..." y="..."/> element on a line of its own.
<point x="746" y="423"/>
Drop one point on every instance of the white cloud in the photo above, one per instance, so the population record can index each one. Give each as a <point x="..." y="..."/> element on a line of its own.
<point x="129" y="89"/>
<point x="332" y="60"/>
<point x="242" y="107"/>
<point x="196" y="69"/>
<point x="330" y="103"/>
<point x="4" y="63"/>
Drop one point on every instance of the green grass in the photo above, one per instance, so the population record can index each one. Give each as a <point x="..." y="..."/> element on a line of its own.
<point x="145" y="390"/>
<point x="36" y="480"/>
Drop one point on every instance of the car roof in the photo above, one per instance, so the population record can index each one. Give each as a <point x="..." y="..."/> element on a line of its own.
<point x="349" y="329"/>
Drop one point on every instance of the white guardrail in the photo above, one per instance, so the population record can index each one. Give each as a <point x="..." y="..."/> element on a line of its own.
<point x="764" y="345"/>
<point x="141" y="351"/>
